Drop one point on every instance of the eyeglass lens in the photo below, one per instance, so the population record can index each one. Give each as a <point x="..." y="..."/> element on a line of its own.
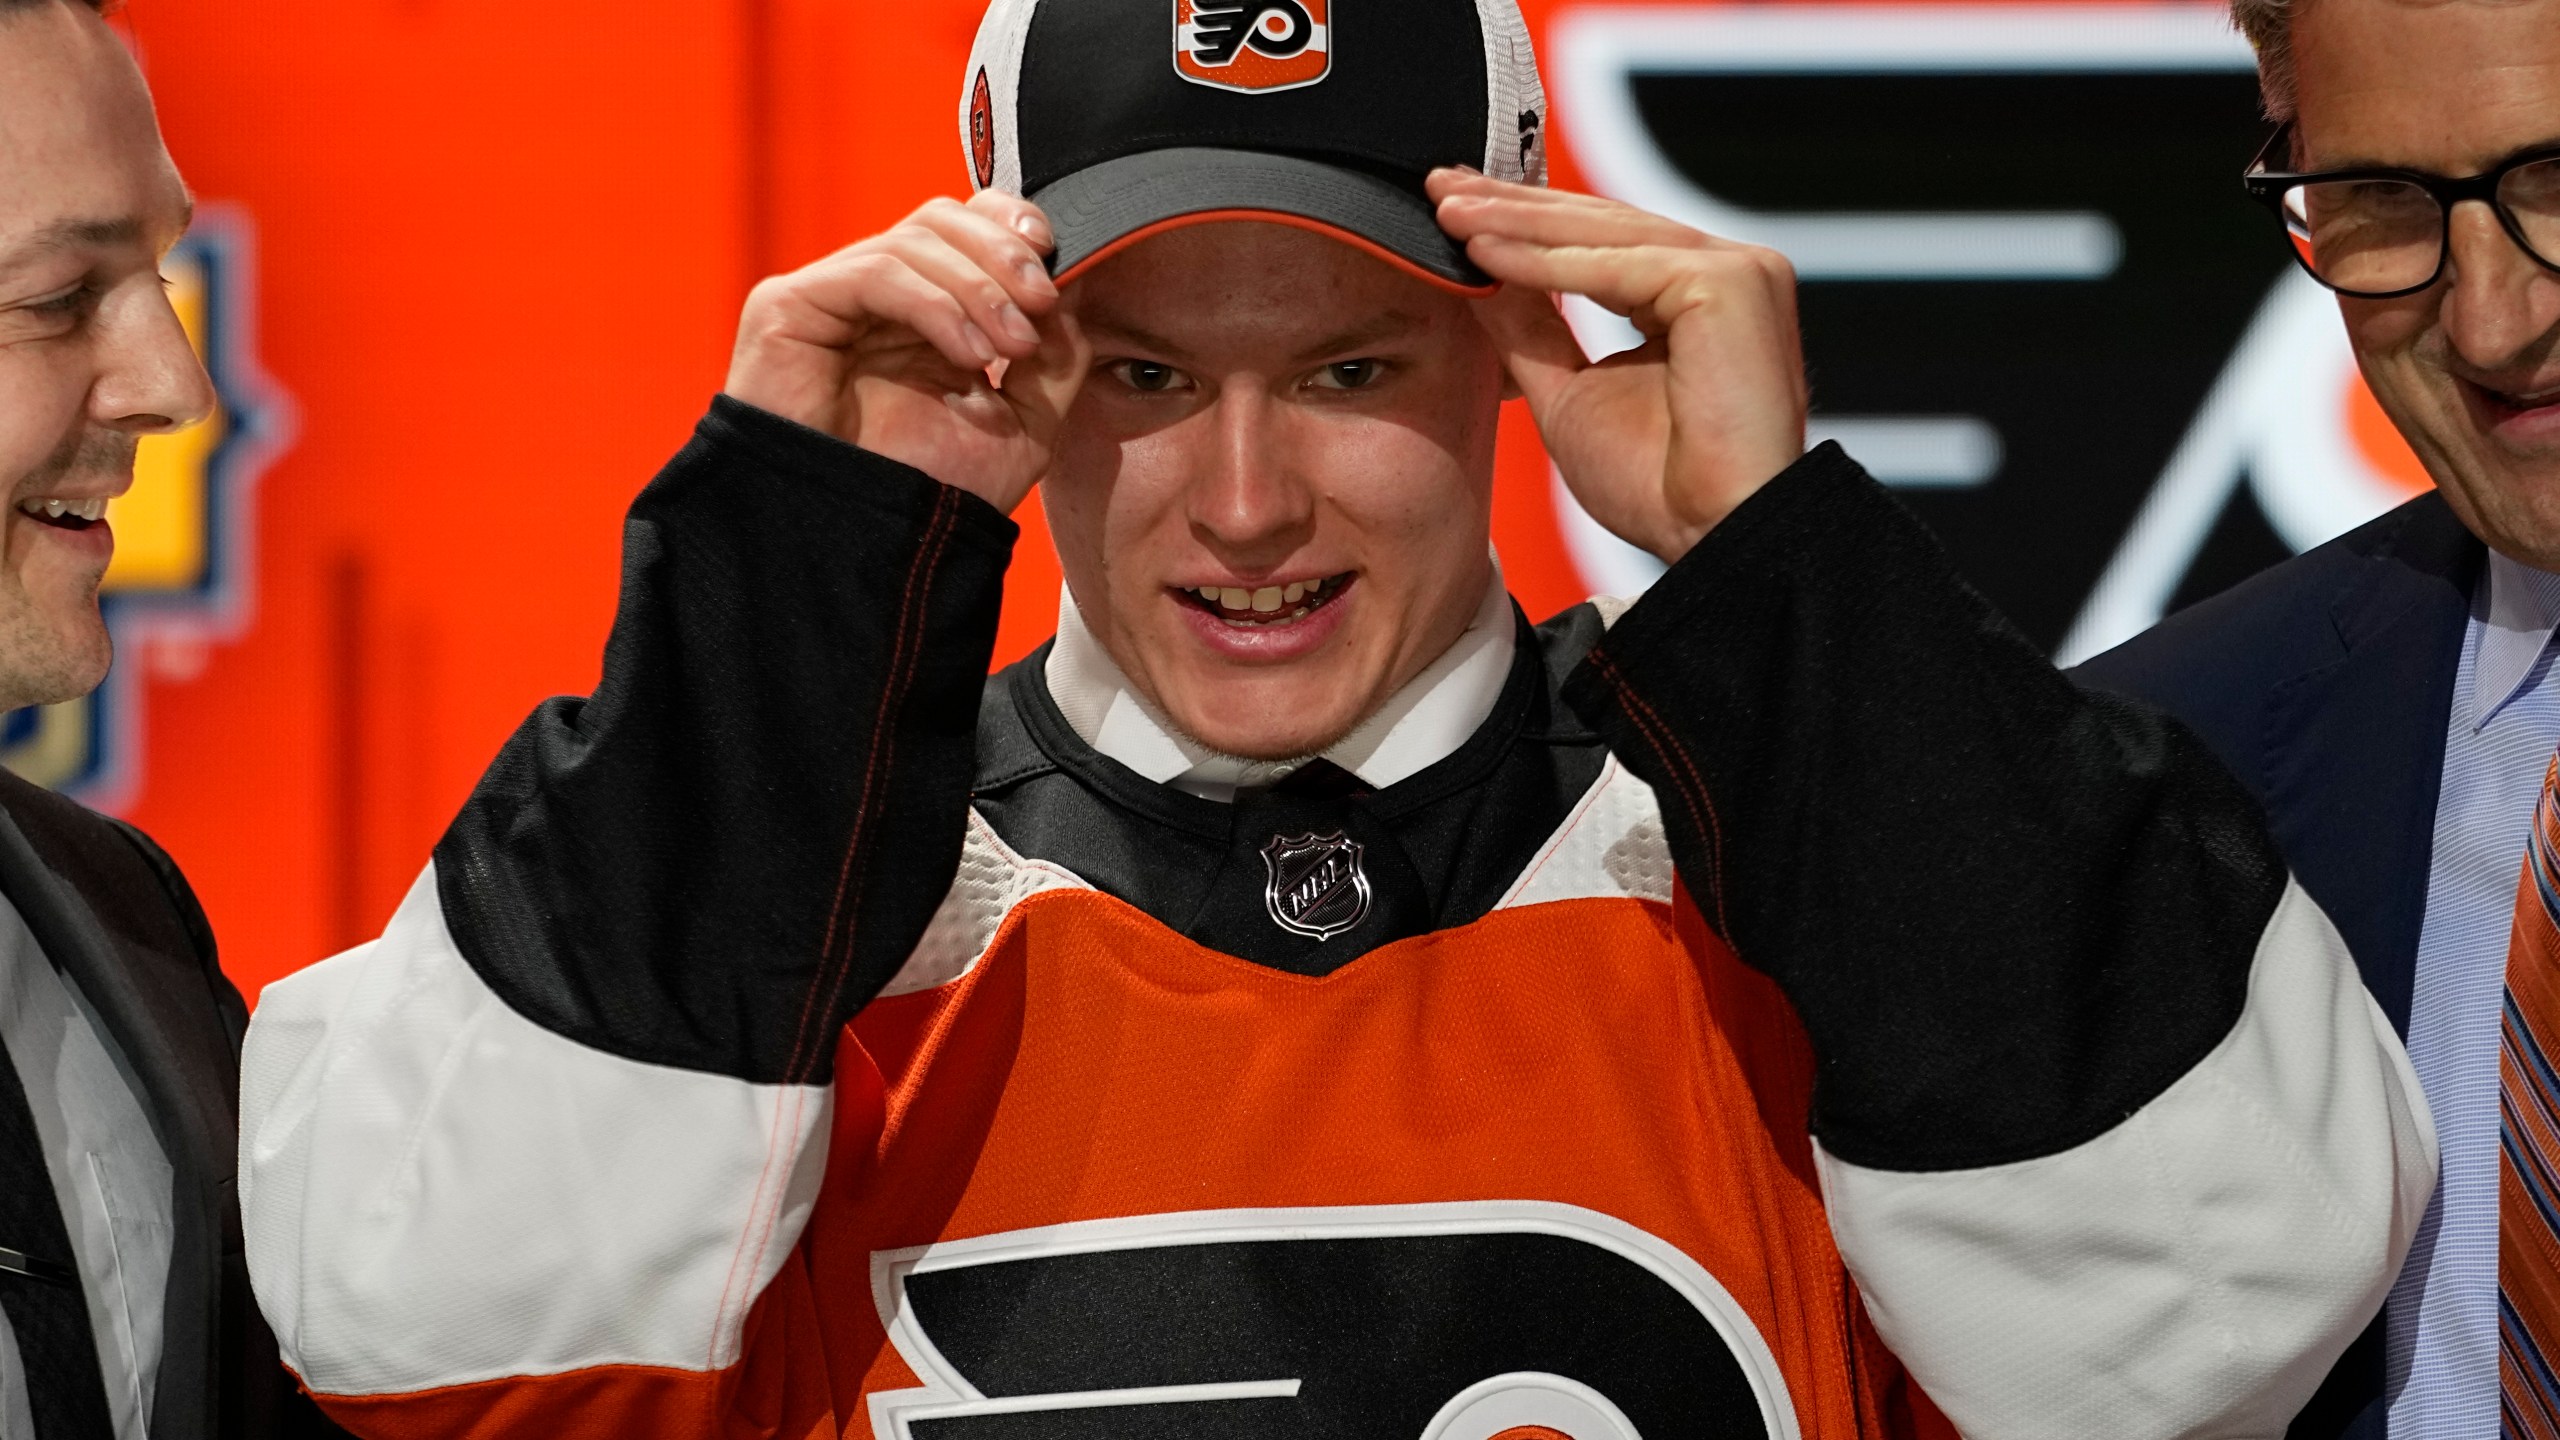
<point x="2374" y="237"/>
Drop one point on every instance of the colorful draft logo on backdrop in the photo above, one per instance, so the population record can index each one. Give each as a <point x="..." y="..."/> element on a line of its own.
<point x="1252" y="45"/>
<point x="181" y="577"/>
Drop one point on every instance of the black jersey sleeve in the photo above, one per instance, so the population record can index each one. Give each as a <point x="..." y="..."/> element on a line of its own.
<point x="712" y="859"/>
<point x="2108" y="1130"/>
<point x="2009" y="911"/>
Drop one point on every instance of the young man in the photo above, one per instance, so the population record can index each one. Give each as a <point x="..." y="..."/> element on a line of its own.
<point x="2389" y="697"/>
<point x="124" y="1302"/>
<point x="1305" y="999"/>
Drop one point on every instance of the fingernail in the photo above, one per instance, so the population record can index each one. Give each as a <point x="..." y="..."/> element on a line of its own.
<point x="1036" y="275"/>
<point x="1017" y="325"/>
<point x="1466" y="169"/>
<point x="980" y="345"/>
<point x="1033" y="229"/>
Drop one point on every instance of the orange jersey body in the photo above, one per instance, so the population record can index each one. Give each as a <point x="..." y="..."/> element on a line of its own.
<point x="1601" y="1072"/>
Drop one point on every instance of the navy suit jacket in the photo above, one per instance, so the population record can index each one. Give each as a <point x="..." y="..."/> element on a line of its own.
<point x="2324" y="684"/>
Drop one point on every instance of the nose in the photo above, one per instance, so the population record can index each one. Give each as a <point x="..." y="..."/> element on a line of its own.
<point x="1250" y="501"/>
<point x="150" y="380"/>
<point x="2497" y="300"/>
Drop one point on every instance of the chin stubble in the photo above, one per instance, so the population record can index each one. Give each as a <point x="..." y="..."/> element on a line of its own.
<point x="48" y="657"/>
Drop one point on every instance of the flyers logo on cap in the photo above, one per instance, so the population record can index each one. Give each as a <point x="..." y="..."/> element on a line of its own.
<point x="1252" y="45"/>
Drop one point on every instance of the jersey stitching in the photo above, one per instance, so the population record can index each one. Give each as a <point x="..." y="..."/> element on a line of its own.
<point x="760" y="1221"/>
<point x="1685" y="779"/>
<point x="835" y="958"/>
<point x="1564" y="833"/>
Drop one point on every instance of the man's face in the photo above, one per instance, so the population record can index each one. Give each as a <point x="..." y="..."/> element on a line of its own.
<point x="2469" y="369"/>
<point x="92" y="357"/>
<point x="1299" y="429"/>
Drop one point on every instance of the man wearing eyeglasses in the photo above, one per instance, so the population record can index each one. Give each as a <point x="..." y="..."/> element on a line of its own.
<point x="2390" y="697"/>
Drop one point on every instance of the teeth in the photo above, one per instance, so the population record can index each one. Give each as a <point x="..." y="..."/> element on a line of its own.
<point x="54" y="508"/>
<point x="1262" y="600"/>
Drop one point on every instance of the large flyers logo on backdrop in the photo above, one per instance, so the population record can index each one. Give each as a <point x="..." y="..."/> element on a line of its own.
<point x="2035" y="297"/>
<point x="180" y="580"/>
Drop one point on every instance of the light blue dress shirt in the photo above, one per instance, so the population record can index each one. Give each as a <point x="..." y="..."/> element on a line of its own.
<point x="2501" y="730"/>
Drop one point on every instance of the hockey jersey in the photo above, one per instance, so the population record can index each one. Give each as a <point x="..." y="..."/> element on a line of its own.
<point x="1791" y="990"/>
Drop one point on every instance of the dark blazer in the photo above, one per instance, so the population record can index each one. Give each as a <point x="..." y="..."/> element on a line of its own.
<point x="2324" y="683"/>
<point x="112" y="911"/>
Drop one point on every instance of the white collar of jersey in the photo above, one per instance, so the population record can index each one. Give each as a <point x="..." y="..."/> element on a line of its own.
<point x="2523" y="609"/>
<point x="1421" y="724"/>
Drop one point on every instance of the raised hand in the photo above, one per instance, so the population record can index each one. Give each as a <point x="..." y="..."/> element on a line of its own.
<point x="938" y="343"/>
<point x="1660" y="442"/>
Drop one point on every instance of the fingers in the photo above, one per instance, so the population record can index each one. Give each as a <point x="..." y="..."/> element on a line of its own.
<point x="1015" y="214"/>
<point x="966" y="278"/>
<point x="857" y="292"/>
<point x="994" y="309"/>
<point x="1651" y="284"/>
<point x="991" y="231"/>
<point x="1471" y="205"/>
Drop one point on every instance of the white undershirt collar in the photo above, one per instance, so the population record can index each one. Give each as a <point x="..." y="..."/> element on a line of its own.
<point x="1420" y="725"/>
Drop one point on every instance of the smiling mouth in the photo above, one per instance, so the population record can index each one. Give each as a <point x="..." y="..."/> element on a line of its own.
<point x="65" y="514"/>
<point x="1266" y="605"/>
<point x="2507" y="404"/>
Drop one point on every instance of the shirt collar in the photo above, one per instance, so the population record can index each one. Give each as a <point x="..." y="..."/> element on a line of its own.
<point x="1420" y="725"/>
<point x="2521" y="610"/>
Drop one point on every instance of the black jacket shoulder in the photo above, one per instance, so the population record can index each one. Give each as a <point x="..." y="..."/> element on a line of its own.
<point x="151" y="967"/>
<point x="2213" y="663"/>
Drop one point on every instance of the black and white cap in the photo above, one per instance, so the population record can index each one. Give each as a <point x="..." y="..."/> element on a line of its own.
<point x="1124" y="118"/>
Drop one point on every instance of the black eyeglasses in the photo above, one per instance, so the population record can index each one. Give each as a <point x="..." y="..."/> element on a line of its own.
<point x="2376" y="232"/>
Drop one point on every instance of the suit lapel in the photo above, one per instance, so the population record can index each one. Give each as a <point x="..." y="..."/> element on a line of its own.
<point x="155" y="1044"/>
<point x="2355" y="745"/>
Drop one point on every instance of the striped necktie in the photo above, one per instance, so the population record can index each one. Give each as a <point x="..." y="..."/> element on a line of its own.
<point x="2529" y="1139"/>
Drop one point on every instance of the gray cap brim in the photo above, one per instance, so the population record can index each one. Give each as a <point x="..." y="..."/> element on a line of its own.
<point x="1103" y="207"/>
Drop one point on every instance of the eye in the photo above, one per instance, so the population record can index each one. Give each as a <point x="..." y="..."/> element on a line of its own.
<point x="1149" y="376"/>
<point x="1349" y="374"/>
<point x="68" y="302"/>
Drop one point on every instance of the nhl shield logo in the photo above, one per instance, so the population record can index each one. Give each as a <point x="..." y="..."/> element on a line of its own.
<point x="1316" y="886"/>
<point x="1252" y="45"/>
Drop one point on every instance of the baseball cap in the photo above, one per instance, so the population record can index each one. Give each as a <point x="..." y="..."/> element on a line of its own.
<point x="1124" y="118"/>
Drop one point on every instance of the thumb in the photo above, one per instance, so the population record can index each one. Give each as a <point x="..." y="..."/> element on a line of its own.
<point x="1538" y="348"/>
<point x="1042" y="386"/>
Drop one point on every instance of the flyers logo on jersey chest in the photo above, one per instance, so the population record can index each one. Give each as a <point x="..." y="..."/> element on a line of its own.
<point x="1252" y="45"/>
<point x="1461" y="1321"/>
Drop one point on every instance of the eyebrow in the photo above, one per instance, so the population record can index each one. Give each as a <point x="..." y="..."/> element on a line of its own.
<point x="1136" y="335"/>
<point x="89" y="234"/>
<point x="1368" y="332"/>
